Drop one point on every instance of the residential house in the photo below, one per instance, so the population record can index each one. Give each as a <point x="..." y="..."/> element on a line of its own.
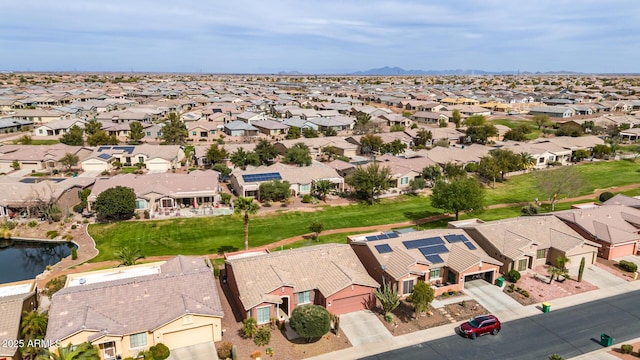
<point x="620" y="199"/>
<point x="202" y="130"/>
<point x="272" y="285"/>
<point x="166" y="193"/>
<point x="553" y="111"/>
<point x="125" y="116"/>
<point x="57" y="128"/>
<point x="240" y="128"/>
<point x="429" y="117"/>
<point x="124" y="311"/>
<point x="155" y="158"/>
<point x="544" y="153"/>
<point x="316" y="145"/>
<point x="337" y="123"/>
<point x="247" y="182"/>
<point x="445" y="259"/>
<point x="39" y="116"/>
<point x="271" y="127"/>
<point x="527" y="242"/>
<point x="11" y="125"/>
<point x="457" y="154"/>
<point x="403" y="170"/>
<point x="15" y="299"/>
<point x="38" y="158"/>
<point x="616" y="228"/>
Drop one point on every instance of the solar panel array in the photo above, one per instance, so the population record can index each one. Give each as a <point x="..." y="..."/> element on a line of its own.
<point x="261" y="177"/>
<point x="470" y="245"/>
<point x="127" y="149"/>
<point x="435" y="249"/>
<point x="383" y="248"/>
<point x="434" y="258"/>
<point x="414" y="244"/>
<point x="104" y="156"/>
<point x="384" y="236"/>
<point x="454" y="238"/>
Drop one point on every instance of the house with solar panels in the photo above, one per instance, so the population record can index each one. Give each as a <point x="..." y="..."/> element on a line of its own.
<point x="443" y="258"/>
<point x="156" y="158"/>
<point x="247" y="183"/>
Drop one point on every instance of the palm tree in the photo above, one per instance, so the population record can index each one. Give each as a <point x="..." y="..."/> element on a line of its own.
<point x="128" y="257"/>
<point x="527" y="160"/>
<point x="247" y="206"/>
<point x="33" y="326"/>
<point x="84" y="351"/>
<point x="322" y="188"/>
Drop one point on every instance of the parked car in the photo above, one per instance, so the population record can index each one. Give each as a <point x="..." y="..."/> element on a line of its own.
<point x="480" y="325"/>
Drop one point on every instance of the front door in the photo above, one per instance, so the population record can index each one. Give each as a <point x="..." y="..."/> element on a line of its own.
<point x="108" y="350"/>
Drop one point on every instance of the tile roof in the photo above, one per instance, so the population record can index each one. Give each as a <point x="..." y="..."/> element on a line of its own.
<point x="328" y="268"/>
<point x="185" y="285"/>
<point x="610" y="223"/>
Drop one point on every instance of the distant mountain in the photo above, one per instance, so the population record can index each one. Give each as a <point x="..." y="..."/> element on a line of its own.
<point x="290" y="73"/>
<point x="391" y="71"/>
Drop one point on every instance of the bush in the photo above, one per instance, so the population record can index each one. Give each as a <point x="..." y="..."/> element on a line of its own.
<point x="54" y="285"/>
<point x="511" y="288"/>
<point x="628" y="266"/>
<point x="310" y="321"/>
<point x="388" y="317"/>
<point x="216" y="271"/>
<point x="32" y="224"/>
<point x="225" y="198"/>
<point x="306" y="198"/>
<point x="146" y="214"/>
<point x="78" y="208"/>
<point x="224" y="350"/>
<point x="74" y="253"/>
<point x="263" y="336"/>
<point x="605" y="196"/>
<point x="249" y="327"/>
<point x="52" y="234"/>
<point x="626" y="349"/>
<point x="74" y="226"/>
<point x="159" y="351"/>
<point x="529" y="209"/>
<point x="555" y="357"/>
<point x="513" y="276"/>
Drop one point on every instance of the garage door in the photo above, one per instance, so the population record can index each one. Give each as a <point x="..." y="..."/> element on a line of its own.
<point x="94" y="166"/>
<point x="189" y="337"/>
<point x="350" y="304"/>
<point x="486" y="276"/>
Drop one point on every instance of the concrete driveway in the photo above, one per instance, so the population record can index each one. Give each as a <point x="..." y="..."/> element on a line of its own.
<point x="363" y="327"/>
<point x="204" y="351"/>
<point x="601" y="277"/>
<point x="491" y="297"/>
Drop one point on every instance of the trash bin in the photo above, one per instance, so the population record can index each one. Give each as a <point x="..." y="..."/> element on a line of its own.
<point x="546" y="307"/>
<point x="605" y="340"/>
<point x="499" y="281"/>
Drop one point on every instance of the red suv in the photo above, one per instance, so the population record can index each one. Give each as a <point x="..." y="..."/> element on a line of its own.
<point x="480" y="325"/>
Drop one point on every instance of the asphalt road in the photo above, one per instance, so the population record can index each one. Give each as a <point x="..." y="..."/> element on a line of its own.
<point x="568" y="332"/>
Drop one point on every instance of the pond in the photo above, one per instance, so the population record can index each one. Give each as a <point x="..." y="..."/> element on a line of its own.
<point x="22" y="260"/>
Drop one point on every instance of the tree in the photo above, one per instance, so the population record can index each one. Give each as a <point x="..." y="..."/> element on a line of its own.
<point x="136" y="132"/>
<point x="475" y="120"/>
<point x="266" y="151"/>
<point x="431" y="172"/>
<point x="329" y="132"/>
<point x="275" y="190"/>
<point x="599" y="151"/>
<point x="15" y="165"/>
<point x="423" y="136"/>
<point x="92" y="126"/>
<point x="159" y="351"/>
<point x="560" y="269"/>
<point x="580" y="155"/>
<point x="570" y="129"/>
<point x="481" y="133"/>
<point x="455" y="116"/>
<point x="116" y="203"/>
<point x="452" y="170"/>
<point x="293" y="133"/>
<point x="370" y="181"/>
<point x="73" y="137"/>
<point x="317" y="228"/>
<point x="25" y="140"/>
<point x="460" y="194"/>
<point x="527" y="160"/>
<point x="565" y="180"/>
<point x="555" y="357"/>
<point x="322" y="187"/>
<point x="69" y="160"/>
<point x="421" y="296"/>
<point x="246" y="206"/>
<point x="174" y="131"/>
<point x="222" y="169"/>
<point x="310" y="321"/>
<point x="489" y="169"/>
<point x="506" y="161"/>
<point x="541" y="120"/>
<point x="517" y="134"/>
<point x="417" y="184"/>
<point x="299" y="153"/>
<point x="362" y="124"/>
<point x="32" y="327"/>
<point x="310" y="133"/>
<point x="241" y="158"/>
<point x="84" y="351"/>
<point x="395" y="147"/>
<point x="371" y="143"/>
<point x="389" y="298"/>
<point x="101" y="137"/>
<point x="128" y="257"/>
<point x="216" y="154"/>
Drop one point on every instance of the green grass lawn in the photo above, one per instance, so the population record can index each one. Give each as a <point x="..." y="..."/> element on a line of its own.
<point x="45" y="142"/>
<point x="513" y="123"/>
<point x="197" y="236"/>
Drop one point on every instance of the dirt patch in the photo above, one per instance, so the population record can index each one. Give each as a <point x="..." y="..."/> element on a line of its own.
<point x="282" y="347"/>
<point x="465" y="310"/>
<point x="612" y="267"/>
<point x="634" y="355"/>
<point x="406" y="321"/>
<point x="538" y="288"/>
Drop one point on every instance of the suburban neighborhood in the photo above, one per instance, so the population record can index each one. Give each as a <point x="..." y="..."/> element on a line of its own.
<point x="292" y="216"/>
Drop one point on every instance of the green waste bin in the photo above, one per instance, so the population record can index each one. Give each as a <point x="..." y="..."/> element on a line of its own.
<point x="605" y="340"/>
<point x="499" y="281"/>
<point x="546" y="307"/>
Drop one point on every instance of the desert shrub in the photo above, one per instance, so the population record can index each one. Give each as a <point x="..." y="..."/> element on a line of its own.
<point x="9" y="224"/>
<point x="388" y="317"/>
<point x="74" y="253"/>
<point x="54" y="285"/>
<point x="32" y="223"/>
<point x="78" y="208"/>
<point x="146" y="214"/>
<point x="51" y="234"/>
<point x="225" y="198"/>
<point x="628" y="266"/>
<point x="529" y="209"/>
<point x="249" y="327"/>
<point x="605" y="196"/>
<point x="306" y="198"/>
<point x="263" y="336"/>
<point x="216" y="271"/>
<point x="513" y="276"/>
<point x="555" y="357"/>
<point x="626" y="349"/>
<point x="68" y="237"/>
<point x="224" y="350"/>
<point x="511" y="288"/>
<point x="74" y="226"/>
<point x="159" y="351"/>
<point x="310" y="321"/>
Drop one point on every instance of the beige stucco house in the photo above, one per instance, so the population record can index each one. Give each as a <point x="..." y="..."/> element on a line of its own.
<point x="15" y="299"/>
<point x="124" y="311"/>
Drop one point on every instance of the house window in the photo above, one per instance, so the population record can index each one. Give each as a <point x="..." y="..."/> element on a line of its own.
<point x="541" y="160"/>
<point x="522" y="264"/>
<point x="407" y="287"/>
<point x="305" y="187"/>
<point x="404" y="180"/>
<point x="541" y="254"/>
<point x="194" y="133"/>
<point x="148" y="133"/>
<point x="138" y="340"/>
<point x="40" y="131"/>
<point x="263" y="315"/>
<point x="304" y="297"/>
<point x="141" y="204"/>
<point x="141" y="159"/>
<point x="435" y="273"/>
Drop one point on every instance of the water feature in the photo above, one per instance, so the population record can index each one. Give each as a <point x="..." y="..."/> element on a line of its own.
<point x="22" y="260"/>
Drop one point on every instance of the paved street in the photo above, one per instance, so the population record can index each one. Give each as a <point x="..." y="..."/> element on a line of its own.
<point x="569" y="332"/>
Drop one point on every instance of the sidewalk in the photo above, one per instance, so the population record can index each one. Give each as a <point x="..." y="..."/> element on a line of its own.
<point x="417" y="337"/>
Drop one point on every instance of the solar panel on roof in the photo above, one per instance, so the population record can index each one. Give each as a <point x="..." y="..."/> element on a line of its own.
<point x="261" y="177"/>
<point x="470" y="245"/>
<point x="392" y="235"/>
<point x="104" y="148"/>
<point x="434" y="258"/>
<point x="372" y="238"/>
<point x="462" y="238"/>
<point x="453" y="238"/>
<point x="414" y="244"/>
<point x="435" y="249"/>
<point x="104" y="156"/>
<point x="433" y="241"/>
<point x="383" y="248"/>
<point x="383" y="236"/>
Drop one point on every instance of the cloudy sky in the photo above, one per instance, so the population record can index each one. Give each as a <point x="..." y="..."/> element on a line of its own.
<point x="319" y="36"/>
